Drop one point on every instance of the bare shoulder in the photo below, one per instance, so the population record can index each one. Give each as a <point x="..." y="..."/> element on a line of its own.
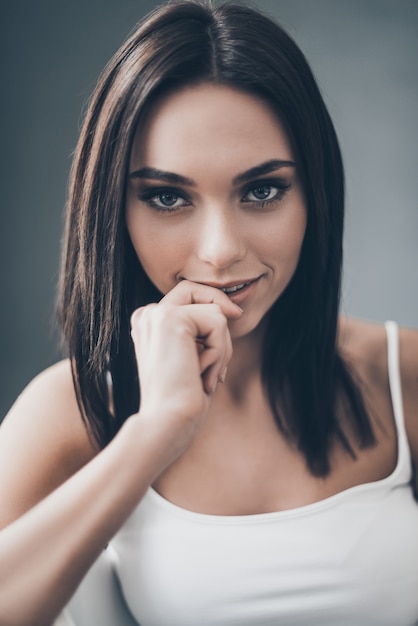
<point x="364" y="341"/>
<point x="365" y="344"/>
<point x="43" y="441"/>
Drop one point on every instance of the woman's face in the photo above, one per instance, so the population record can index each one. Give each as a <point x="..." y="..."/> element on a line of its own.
<point x="214" y="197"/>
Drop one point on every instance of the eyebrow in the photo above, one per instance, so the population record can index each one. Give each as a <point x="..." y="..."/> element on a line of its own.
<point x="168" y="177"/>
<point x="177" y="179"/>
<point x="261" y="170"/>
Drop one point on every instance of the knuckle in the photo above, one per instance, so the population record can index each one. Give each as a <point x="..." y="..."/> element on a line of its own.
<point x="222" y="321"/>
<point x="139" y="314"/>
<point x="217" y="309"/>
<point x="161" y="313"/>
<point x="186" y="287"/>
<point x="136" y="316"/>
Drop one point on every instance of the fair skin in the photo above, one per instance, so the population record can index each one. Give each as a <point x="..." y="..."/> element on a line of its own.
<point x="203" y="408"/>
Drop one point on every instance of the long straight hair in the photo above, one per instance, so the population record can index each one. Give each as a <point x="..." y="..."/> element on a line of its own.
<point x="102" y="282"/>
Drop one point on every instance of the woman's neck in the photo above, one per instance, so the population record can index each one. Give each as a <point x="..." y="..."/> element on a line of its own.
<point x="245" y="364"/>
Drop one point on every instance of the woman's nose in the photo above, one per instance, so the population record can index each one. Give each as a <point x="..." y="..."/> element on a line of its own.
<point x="221" y="242"/>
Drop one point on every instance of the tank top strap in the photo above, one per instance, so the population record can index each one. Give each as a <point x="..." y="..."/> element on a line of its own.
<point x="395" y="385"/>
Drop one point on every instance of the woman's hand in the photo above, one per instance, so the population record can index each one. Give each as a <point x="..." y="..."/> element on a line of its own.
<point x="183" y="347"/>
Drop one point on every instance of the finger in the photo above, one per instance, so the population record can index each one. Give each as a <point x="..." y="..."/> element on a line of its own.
<point x="217" y="347"/>
<point x="211" y="377"/>
<point x="215" y="356"/>
<point x="188" y="292"/>
<point x="210" y="380"/>
<point x="203" y="325"/>
<point x="207" y="325"/>
<point x="215" y="373"/>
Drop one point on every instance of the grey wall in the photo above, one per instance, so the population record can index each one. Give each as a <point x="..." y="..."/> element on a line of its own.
<point x="363" y="53"/>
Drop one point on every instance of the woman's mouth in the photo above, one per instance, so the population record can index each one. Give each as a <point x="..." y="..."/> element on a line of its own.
<point x="235" y="288"/>
<point x="238" y="292"/>
<point x="241" y="292"/>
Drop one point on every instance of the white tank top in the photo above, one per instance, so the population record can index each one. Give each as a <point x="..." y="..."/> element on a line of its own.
<point x="348" y="560"/>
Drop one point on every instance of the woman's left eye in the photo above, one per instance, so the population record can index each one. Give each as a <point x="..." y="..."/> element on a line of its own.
<point x="265" y="192"/>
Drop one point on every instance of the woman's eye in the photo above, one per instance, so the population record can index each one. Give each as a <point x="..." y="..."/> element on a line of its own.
<point x="167" y="199"/>
<point x="265" y="192"/>
<point x="163" y="200"/>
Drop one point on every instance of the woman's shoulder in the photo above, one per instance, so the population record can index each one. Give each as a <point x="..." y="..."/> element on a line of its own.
<point x="365" y="344"/>
<point x="52" y="381"/>
<point x="362" y="339"/>
<point x="49" y="404"/>
<point x="43" y="440"/>
<point x="49" y="398"/>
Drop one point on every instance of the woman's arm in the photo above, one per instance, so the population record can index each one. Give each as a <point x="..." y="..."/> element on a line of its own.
<point x="43" y="441"/>
<point x="46" y="549"/>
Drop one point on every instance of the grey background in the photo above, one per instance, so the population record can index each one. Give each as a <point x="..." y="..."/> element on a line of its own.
<point x="364" y="54"/>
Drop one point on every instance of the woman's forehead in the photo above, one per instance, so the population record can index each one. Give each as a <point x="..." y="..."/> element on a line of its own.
<point x="209" y="121"/>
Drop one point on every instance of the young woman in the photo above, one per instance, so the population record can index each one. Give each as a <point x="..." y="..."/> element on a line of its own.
<point x="248" y="454"/>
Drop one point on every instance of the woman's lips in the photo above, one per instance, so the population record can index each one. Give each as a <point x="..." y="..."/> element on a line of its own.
<point x="240" y="292"/>
<point x="237" y="291"/>
<point x="230" y="290"/>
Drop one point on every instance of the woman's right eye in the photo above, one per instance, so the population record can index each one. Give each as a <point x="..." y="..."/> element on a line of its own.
<point x="163" y="199"/>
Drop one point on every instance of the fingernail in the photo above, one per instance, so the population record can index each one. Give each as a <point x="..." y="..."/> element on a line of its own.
<point x="214" y="387"/>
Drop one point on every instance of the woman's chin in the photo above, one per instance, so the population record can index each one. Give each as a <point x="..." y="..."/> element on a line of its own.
<point x="246" y="327"/>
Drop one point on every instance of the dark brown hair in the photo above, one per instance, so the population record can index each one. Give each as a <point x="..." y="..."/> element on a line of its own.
<point x="102" y="280"/>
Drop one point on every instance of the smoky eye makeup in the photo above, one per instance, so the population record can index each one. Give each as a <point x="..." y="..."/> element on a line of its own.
<point x="267" y="191"/>
<point x="163" y="198"/>
<point x="258" y="194"/>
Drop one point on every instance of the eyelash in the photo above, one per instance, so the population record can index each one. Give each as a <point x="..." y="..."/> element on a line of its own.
<point x="149" y="196"/>
<point x="281" y="186"/>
